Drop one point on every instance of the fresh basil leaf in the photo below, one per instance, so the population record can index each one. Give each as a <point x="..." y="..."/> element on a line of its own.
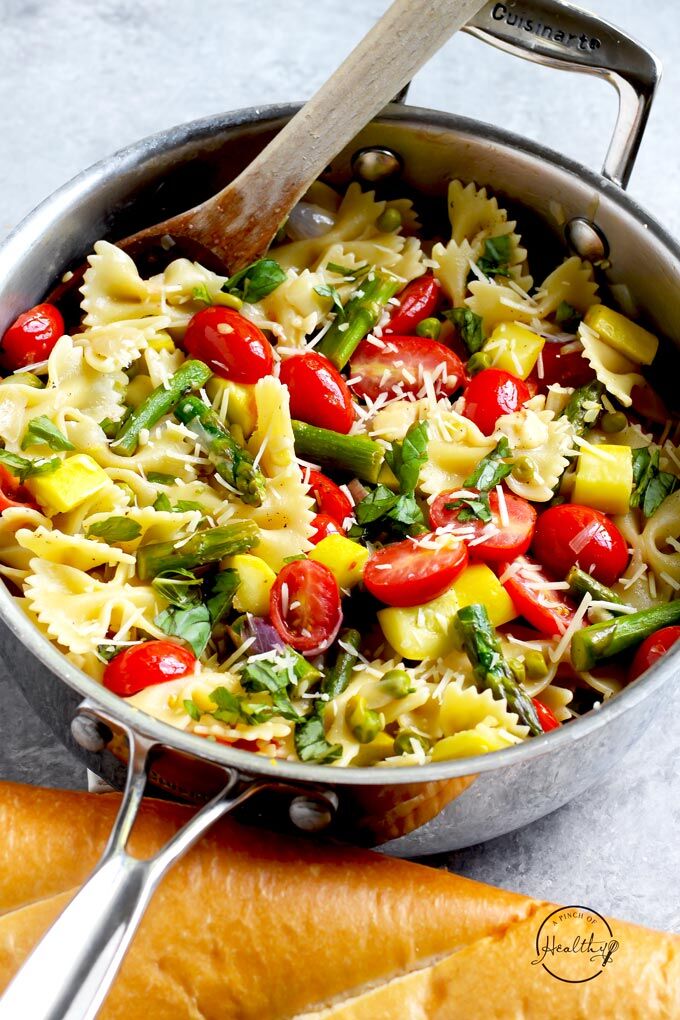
<point x="497" y="251"/>
<point x="651" y="485"/>
<point x="182" y="505"/>
<point x="24" y="467"/>
<point x="191" y="624"/>
<point x="406" y="511"/>
<point x="311" y="743"/>
<point x="641" y="461"/>
<point x="471" y="509"/>
<point x="284" y="707"/>
<point x="115" y="529"/>
<point x="256" y="281"/>
<point x="160" y="478"/>
<point x="41" y="432"/>
<point x="325" y="290"/>
<point x="407" y="457"/>
<point x="349" y="274"/>
<point x="162" y="502"/>
<point x="108" y="652"/>
<point x="567" y="316"/>
<point x="659" y="487"/>
<point x="191" y="709"/>
<point x="375" y="505"/>
<point x="470" y="326"/>
<point x="491" y="469"/>
<point x="228" y="706"/>
<point x="220" y="594"/>
<point x="264" y="676"/>
<point x="180" y="588"/>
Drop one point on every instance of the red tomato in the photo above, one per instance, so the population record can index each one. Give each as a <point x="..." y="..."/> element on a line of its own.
<point x="573" y="534"/>
<point x="545" y="609"/>
<point x="546" y="717"/>
<point x="406" y="573"/>
<point x="304" y="605"/>
<point x="324" y="525"/>
<point x="651" y="649"/>
<point x="570" y="369"/>
<point x="32" y="336"/>
<point x="144" y="665"/>
<point x="649" y="404"/>
<point x="329" y="497"/>
<point x="11" y="492"/>
<point x="491" y="394"/>
<point x="417" y="301"/>
<point x="401" y="362"/>
<point x="505" y="542"/>
<point x="230" y="344"/>
<point x="318" y="393"/>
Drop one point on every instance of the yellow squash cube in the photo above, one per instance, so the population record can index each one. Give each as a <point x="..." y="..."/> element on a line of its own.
<point x="75" y="480"/>
<point x="514" y="348"/>
<point x="343" y="557"/>
<point x="240" y="404"/>
<point x="604" y="478"/>
<point x="626" y="337"/>
<point x="479" y="584"/>
<point x="257" y="578"/>
<point x="422" y="632"/>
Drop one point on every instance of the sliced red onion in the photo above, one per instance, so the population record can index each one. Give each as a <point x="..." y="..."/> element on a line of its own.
<point x="357" y="490"/>
<point x="267" y="638"/>
<point x="307" y="220"/>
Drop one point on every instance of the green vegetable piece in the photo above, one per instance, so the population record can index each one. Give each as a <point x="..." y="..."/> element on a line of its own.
<point x="651" y="485"/>
<point x="524" y="470"/>
<point x="535" y="664"/>
<point x="190" y="624"/>
<point x="396" y="683"/>
<point x="481" y="644"/>
<point x="613" y="421"/>
<point x="518" y="670"/>
<point x="478" y="363"/>
<point x="338" y="678"/>
<point x="407" y="457"/>
<point x="497" y="252"/>
<point x="325" y="290"/>
<point x="361" y="315"/>
<point x="363" y="722"/>
<point x="160" y="478"/>
<point x="24" y="379"/>
<point x="41" y="432"/>
<point x="201" y="548"/>
<point x="256" y="281"/>
<point x="491" y="469"/>
<point x="178" y="587"/>
<point x="311" y="743"/>
<point x="470" y="326"/>
<point x="403" y="742"/>
<point x="591" y="645"/>
<point x="220" y="592"/>
<point x="115" y="529"/>
<point x="162" y="502"/>
<point x="274" y="678"/>
<point x="430" y="328"/>
<point x="357" y="455"/>
<point x="191" y="709"/>
<point x="471" y="509"/>
<point x="567" y="317"/>
<point x="231" y="461"/>
<point x="389" y="220"/>
<point x="192" y="375"/>
<point x="24" y="467"/>
<point x="348" y="273"/>
<point x="580" y="583"/>
<point x="580" y="409"/>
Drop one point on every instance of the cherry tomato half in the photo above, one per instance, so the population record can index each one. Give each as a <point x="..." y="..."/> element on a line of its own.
<point x="31" y="336"/>
<point x="318" y="393"/>
<point x="417" y="301"/>
<point x="570" y="369"/>
<point x="545" y="609"/>
<point x="329" y="497"/>
<point x="230" y="344"/>
<point x="12" y="493"/>
<point x="141" y="666"/>
<point x="406" y="573"/>
<point x="573" y="534"/>
<point x="491" y="394"/>
<point x="304" y="605"/>
<point x="546" y="717"/>
<point x="651" y="649"/>
<point x="504" y="541"/>
<point x="401" y="362"/>
<point x="324" y="525"/>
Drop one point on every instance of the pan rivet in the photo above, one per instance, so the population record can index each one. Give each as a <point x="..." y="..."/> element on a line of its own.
<point x="90" y="734"/>
<point x="376" y="164"/>
<point x="586" y="239"/>
<point x="312" y="814"/>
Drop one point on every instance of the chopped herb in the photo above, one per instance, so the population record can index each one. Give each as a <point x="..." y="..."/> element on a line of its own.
<point x="115" y="529"/>
<point x="183" y="505"/>
<point x="496" y="257"/>
<point x="191" y="624"/>
<point x="651" y="485"/>
<point x="407" y="457"/>
<point x="567" y="317"/>
<point x="470" y="326"/>
<point x="108" y="652"/>
<point x="196" y="606"/>
<point x="471" y="508"/>
<point x="256" y="281"/>
<point x="346" y="271"/>
<point x="491" y="469"/>
<point x="41" y="431"/>
<point x="200" y="293"/>
<point x="311" y="743"/>
<point x="178" y="587"/>
<point x="269" y="676"/>
<point x="24" y="467"/>
<point x="325" y="290"/>
<point x="162" y="502"/>
<point x="293" y="559"/>
<point x="191" y="709"/>
<point x="375" y="505"/>
<point x="160" y="478"/>
<point x="219" y="593"/>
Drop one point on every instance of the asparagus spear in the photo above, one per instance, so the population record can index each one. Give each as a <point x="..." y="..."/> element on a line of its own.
<point x="581" y="583"/>
<point x="337" y="678"/>
<point x="230" y="460"/>
<point x="203" y="547"/>
<point x="592" y="644"/>
<point x="491" y="671"/>
<point x="191" y="376"/>
<point x="358" y="455"/>
<point x="361" y="314"/>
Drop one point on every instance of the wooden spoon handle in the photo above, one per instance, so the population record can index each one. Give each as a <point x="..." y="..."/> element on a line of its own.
<point x="384" y="61"/>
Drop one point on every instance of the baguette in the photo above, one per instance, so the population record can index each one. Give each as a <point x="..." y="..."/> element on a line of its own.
<point x="254" y="925"/>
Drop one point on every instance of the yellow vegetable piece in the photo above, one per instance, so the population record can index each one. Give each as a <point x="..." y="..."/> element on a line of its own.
<point x="75" y="480"/>
<point x="467" y="743"/>
<point x="203" y="701"/>
<point x="379" y="749"/>
<point x="257" y="578"/>
<point x="343" y="557"/>
<point x="514" y="348"/>
<point x="478" y="583"/>
<point x="422" y="632"/>
<point x="626" y="337"/>
<point x="604" y="478"/>
<point x="240" y="404"/>
<point x="138" y="390"/>
<point x="162" y="342"/>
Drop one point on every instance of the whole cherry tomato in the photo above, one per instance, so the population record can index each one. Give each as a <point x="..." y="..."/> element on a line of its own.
<point x="546" y="717"/>
<point x="493" y="393"/>
<point x="651" y="649"/>
<point x="230" y="344"/>
<point x="544" y="608"/>
<point x="329" y="497"/>
<point x="401" y="361"/>
<point x="318" y="393"/>
<point x="571" y="535"/>
<point x="324" y="525"/>
<point x="31" y="337"/>
<point x="417" y="301"/>
<point x="570" y="369"/>
<point x="407" y="573"/>
<point x="141" y="666"/>
<point x="503" y="541"/>
<point x="304" y="605"/>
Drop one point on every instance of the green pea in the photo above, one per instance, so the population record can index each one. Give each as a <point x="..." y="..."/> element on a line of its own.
<point x="535" y="665"/>
<point x="478" y="362"/>
<point x="402" y="741"/>
<point x="389" y="220"/>
<point x="430" y="328"/>
<point x="524" y="469"/>
<point x="396" y="683"/>
<point x="364" y="723"/>
<point x="613" y="421"/>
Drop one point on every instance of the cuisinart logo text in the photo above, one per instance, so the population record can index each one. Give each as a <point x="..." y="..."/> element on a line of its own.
<point x="515" y="19"/>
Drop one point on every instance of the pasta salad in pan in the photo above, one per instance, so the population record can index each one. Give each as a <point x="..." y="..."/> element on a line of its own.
<point x="377" y="499"/>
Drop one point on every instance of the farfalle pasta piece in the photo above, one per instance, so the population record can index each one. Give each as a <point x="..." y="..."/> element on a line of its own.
<point x="663" y="559"/>
<point x="455" y="448"/>
<point x="14" y="557"/>
<point x="452" y="268"/>
<point x="463" y="707"/>
<point x="475" y="217"/>
<point x="76" y="550"/>
<point x="544" y="441"/>
<point x="496" y="303"/>
<point x="294" y="310"/>
<point x="572" y="282"/>
<point x="154" y="525"/>
<point x="116" y="345"/>
<point x="161" y="364"/>
<point x="616" y="373"/>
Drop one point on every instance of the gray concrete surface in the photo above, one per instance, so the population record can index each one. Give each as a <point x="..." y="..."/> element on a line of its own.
<point x="81" y="78"/>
